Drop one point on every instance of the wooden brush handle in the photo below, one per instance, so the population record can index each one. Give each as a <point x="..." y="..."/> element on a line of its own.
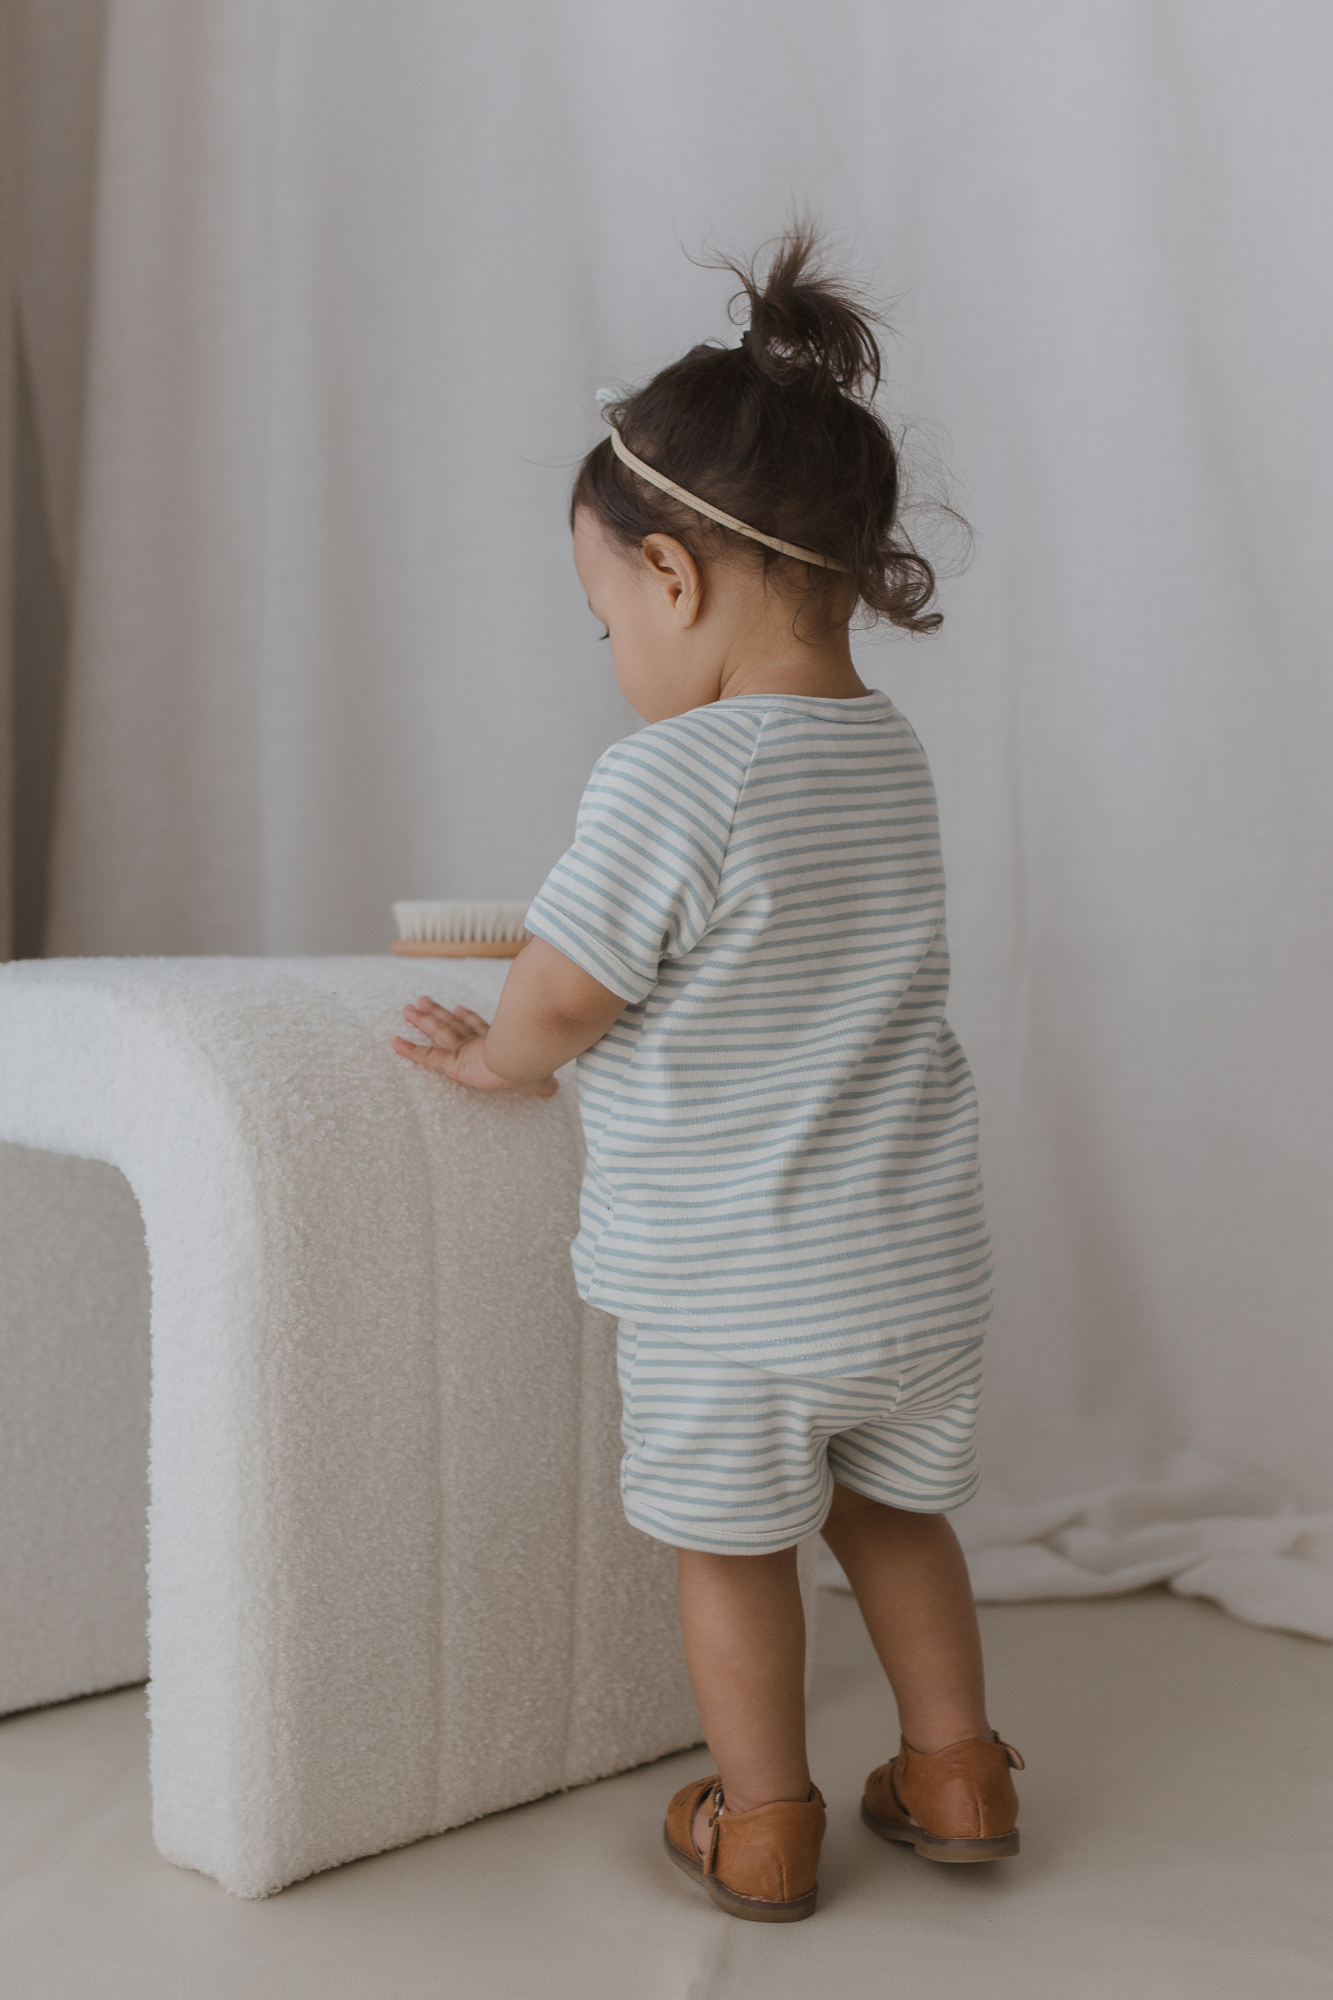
<point x="433" y="948"/>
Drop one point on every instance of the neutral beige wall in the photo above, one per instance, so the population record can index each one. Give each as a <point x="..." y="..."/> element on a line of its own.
<point x="55" y="87"/>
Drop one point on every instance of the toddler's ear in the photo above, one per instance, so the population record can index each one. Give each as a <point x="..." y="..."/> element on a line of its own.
<point x="676" y="574"/>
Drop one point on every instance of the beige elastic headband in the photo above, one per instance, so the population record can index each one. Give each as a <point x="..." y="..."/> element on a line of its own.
<point x="626" y="457"/>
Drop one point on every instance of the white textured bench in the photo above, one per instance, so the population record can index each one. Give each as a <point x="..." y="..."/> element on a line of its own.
<point x="391" y="1586"/>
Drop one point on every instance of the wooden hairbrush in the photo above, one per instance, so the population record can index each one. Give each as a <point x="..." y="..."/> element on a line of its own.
<point x="459" y="930"/>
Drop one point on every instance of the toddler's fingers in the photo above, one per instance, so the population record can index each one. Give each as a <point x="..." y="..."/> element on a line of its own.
<point x="429" y="1015"/>
<point x="445" y="1034"/>
<point x="430" y="1009"/>
<point x="427" y="1058"/>
<point x="483" y="1027"/>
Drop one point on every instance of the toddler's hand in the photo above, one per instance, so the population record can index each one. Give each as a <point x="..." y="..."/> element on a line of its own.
<point x="457" y="1039"/>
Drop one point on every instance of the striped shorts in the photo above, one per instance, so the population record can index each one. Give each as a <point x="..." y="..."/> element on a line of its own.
<point x="736" y="1461"/>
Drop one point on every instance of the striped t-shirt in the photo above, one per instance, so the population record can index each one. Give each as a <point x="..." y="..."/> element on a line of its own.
<point x="781" y="1127"/>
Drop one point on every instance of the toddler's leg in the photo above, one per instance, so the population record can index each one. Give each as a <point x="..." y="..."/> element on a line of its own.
<point x="911" y="1583"/>
<point x="744" y="1632"/>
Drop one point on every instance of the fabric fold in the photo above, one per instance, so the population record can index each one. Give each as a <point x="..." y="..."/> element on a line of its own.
<point x="1204" y="1529"/>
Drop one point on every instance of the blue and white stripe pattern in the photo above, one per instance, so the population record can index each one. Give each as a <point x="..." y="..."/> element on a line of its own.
<point x="782" y="1129"/>
<point x="736" y="1461"/>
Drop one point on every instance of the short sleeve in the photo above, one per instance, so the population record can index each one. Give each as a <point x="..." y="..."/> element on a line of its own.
<point x="640" y="882"/>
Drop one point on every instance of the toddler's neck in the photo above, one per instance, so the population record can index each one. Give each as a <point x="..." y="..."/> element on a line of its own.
<point x="821" y="668"/>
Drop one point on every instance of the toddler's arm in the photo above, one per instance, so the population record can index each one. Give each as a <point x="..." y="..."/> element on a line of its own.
<point x="549" y="1012"/>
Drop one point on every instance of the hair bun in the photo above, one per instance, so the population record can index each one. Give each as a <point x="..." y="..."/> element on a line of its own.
<point x="805" y="327"/>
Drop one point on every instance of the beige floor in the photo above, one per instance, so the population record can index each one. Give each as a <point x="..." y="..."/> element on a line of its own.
<point x="1176" y="1843"/>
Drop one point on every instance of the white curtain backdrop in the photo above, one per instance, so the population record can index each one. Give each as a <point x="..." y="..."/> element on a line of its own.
<point x="360" y="266"/>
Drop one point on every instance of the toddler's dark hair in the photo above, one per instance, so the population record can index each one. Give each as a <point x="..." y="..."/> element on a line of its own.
<point x="780" y="433"/>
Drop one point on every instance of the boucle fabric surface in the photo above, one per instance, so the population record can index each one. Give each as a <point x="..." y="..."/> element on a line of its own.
<point x="391" y="1586"/>
<point x="73" y="1429"/>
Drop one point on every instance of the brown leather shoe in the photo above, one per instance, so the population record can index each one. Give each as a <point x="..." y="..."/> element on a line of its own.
<point x="760" y="1864"/>
<point x="955" y="1804"/>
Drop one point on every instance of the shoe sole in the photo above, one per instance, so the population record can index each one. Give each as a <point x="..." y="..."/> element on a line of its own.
<point x="998" y="1847"/>
<point x="754" y="1909"/>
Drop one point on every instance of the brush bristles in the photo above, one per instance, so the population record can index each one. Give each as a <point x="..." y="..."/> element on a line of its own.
<point x="461" y="923"/>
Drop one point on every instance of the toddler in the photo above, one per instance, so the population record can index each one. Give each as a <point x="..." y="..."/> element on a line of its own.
<point x="745" y="949"/>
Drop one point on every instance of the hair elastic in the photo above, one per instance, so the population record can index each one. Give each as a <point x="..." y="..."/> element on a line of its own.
<point x="626" y="456"/>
